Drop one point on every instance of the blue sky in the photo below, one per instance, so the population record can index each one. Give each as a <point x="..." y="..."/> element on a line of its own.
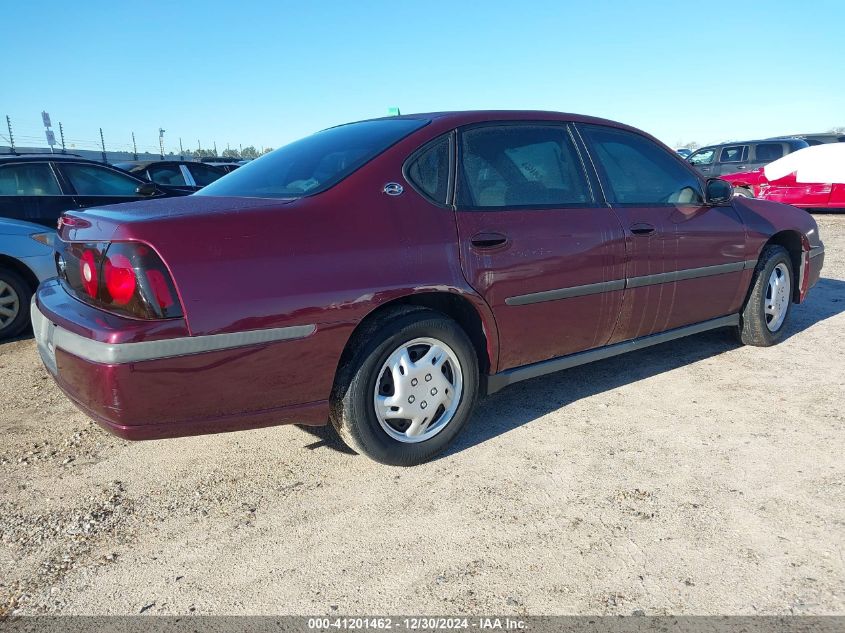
<point x="265" y="73"/>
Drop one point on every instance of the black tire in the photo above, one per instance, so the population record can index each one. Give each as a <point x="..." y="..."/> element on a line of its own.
<point x="753" y="328"/>
<point x="16" y="284"/>
<point x="352" y="410"/>
<point x="743" y="192"/>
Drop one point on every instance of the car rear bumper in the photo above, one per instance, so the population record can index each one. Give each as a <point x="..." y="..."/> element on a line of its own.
<point x="183" y="385"/>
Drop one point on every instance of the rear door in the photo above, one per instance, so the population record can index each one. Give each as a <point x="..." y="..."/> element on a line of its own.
<point x="765" y="153"/>
<point x="31" y="191"/>
<point x="535" y="241"/>
<point x="732" y="159"/>
<point x="98" y="185"/>
<point x="685" y="259"/>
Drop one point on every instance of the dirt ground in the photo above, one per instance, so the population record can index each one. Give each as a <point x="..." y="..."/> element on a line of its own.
<point x="697" y="477"/>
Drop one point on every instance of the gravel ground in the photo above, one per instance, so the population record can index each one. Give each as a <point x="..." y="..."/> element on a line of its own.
<point x="697" y="477"/>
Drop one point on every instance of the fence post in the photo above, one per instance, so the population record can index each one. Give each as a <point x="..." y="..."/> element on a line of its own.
<point x="11" y="136"/>
<point x="161" y="142"/>
<point x="181" y="151"/>
<point x="62" y="136"/>
<point x="103" y="145"/>
<point x="134" y="148"/>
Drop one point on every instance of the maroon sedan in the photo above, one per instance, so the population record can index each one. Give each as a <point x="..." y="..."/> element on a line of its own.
<point x="382" y="274"/>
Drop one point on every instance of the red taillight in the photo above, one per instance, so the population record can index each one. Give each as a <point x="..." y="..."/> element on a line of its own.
<point x="127" y="278"/>
<point x="88" y="273"/>
<point x="158" y="284"/>
<point x="120" y="278"/>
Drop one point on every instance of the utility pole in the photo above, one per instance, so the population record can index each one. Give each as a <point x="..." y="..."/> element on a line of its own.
<point x="161" y="142"/>
<point x="103" y="145"/>
<point x="62" y="136"/>
<point x="11" y="136"/>
<point x="181" y="151"/>
<point x="134" y="148"/>
<point x="215" y="148"/>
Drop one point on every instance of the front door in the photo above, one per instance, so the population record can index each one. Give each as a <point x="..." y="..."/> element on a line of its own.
<point x="535" y="242"/>
<point x="686" y="260"/>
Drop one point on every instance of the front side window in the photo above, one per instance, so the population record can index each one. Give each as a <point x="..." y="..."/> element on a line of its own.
<point x="429" y="171"/>
<point x="28" y="179"/>
<point x="638" y="171"/>
<point x="504" y="166"/>
<point x="93" y="180"/>
<point x="203" y="174"/>
<point x="768" y="151"/>
<point x="170" y="175"/>
<point x="732" y="154"/>
<point x="314" y="163"/>
<point x="702" y="157"/>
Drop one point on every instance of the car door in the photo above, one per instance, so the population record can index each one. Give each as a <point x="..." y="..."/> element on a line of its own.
<point x="732" y="159"/>
<point x="686" y="260"/>
<point x="536" y="242"/>
<point x="98" y="185"/>
<point x="30" y="190"/>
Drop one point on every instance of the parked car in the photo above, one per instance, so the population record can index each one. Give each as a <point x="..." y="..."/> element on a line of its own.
<point x="683" y="152"/>
<point x="26" y="258"/>
<point x="821" y="138"/>
<point x="38" y="187"/>
<point x="186" y="176"/>
<point x="383" y="274"/>
<point x="226" y="167"/>
<point x="729" y="158"/>
<point x="811" y="178"/>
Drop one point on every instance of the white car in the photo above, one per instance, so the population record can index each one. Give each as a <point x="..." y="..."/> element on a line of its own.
<point x="26" y="259"/>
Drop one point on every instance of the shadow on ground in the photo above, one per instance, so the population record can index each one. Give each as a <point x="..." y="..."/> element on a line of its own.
<point x="534" y="398"/>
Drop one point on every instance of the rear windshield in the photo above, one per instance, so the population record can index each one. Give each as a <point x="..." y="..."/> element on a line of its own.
<point x="314" y="163"/>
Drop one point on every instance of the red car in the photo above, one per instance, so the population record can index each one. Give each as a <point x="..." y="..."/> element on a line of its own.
<point x="383" y="274"/>
<point x="811" y="178"/>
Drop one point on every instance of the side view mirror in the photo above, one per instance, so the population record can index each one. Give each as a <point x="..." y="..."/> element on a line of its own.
<point x="718" y="191"/>
<point x="147" y="189"/>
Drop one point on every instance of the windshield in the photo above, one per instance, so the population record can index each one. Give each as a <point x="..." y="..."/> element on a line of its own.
<point x="314" y="163"/>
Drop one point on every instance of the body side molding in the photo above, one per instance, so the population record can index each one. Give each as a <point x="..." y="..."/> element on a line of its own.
<point x="501" y="380"/>
<point x="630" y="282"/>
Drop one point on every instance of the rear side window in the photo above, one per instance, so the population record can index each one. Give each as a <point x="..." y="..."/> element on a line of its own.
<point x="637" y="171"/>
<point x="768" y="151"/>
<point x="167" y="175"/>
<point x="203" y="174"/>
<point x="732" y="154"/>
<point x="315" y="163"/>
<point x="28" y="179"/>
<point x="93" y="180"/>
<point x="429" y="171"/>
<point x="527" y="166"/>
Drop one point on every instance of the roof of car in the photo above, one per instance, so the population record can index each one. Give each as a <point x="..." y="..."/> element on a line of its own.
<point x="143" y="164"/>
<point x="776" y="139"/>
<point x="74" y="158"/>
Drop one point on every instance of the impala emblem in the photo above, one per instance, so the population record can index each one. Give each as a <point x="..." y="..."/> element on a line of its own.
<point x="393" y="189"/>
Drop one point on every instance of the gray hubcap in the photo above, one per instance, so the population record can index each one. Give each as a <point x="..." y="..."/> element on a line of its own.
<point x="778" y="294"/>
<point x="10" y="304"/>
<point x="418" y="390"/>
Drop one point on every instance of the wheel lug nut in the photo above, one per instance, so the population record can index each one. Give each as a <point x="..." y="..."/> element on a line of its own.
<point x="434" y="392"/>
<point x="427" y="377"/>
<point x="414" y="382"/>
<point x="411" y="399"/>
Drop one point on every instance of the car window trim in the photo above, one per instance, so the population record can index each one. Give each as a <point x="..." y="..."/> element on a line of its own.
<point x="743" y="155"/>
<point x="604" y="180"/>
<point x="595" y="203"/>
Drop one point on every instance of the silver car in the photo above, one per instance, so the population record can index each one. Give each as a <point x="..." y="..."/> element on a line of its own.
<point x="26" y="259"/>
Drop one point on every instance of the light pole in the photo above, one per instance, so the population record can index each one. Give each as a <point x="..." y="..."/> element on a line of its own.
<point x="161" y="142"/>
